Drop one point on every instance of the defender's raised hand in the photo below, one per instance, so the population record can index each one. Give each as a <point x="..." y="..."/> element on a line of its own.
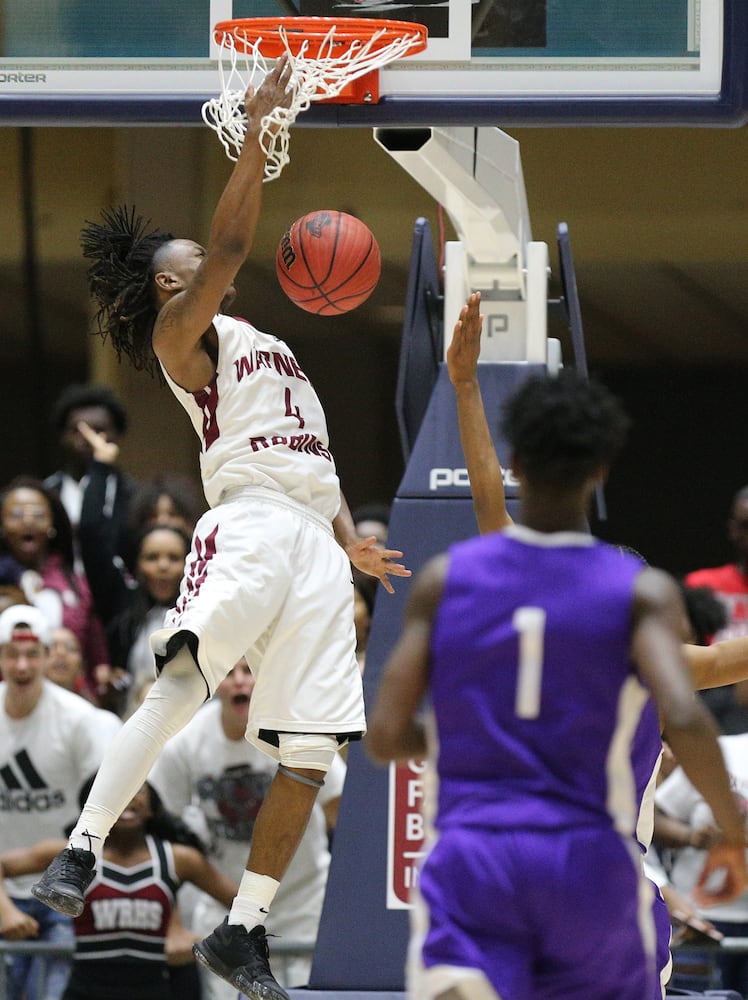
<point x="463" y="352"/>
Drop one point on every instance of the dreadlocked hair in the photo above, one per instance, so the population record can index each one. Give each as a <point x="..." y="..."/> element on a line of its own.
<point x="120" y="279"/>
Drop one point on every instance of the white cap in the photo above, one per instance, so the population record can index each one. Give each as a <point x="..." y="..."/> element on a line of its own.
<point x="22" y="621"/>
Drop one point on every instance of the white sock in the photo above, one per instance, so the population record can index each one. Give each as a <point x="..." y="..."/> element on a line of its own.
<point x="252" y="902"/>
<point x="168" y="707"/>
<point x="90" y="833"/>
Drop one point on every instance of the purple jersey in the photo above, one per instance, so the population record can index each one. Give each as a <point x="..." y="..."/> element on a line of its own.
<point x="535" y="697"/>
<point x="531" y="880"/>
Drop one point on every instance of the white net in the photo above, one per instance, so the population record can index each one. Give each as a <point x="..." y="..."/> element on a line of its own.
<point x="319" y="71"/>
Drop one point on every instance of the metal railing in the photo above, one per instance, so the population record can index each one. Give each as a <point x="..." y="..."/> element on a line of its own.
<point x="695" y="961"/>
<point x="45" y="949"/>
<point x="282" y="954"/>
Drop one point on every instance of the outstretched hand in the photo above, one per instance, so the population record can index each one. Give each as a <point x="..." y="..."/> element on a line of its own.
<point x="463" y="352"/>
<point x="368" y="557"/>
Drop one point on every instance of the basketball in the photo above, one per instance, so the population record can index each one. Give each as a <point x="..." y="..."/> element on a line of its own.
<point x="328" y="262"/>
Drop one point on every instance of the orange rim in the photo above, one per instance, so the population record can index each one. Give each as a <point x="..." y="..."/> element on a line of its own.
<point x="301" y="29"/>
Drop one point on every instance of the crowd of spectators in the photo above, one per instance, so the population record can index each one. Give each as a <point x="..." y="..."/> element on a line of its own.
<point x="90" y="562"/>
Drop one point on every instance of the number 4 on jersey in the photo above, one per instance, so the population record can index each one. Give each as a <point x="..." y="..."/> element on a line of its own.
<point x="293" y="411"/>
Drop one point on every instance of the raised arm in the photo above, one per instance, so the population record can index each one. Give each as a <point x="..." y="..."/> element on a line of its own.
<point x="484" y="469"/>
<point x="191" y="290"/>
<point x="689" y="728"/>
<point x="96" y="532"/>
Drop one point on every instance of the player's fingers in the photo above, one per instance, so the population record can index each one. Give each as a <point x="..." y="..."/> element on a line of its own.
<point x="281" y="65"/>
<point x="285" y="72"/>
<point x="278" y="77"/>
<point x="364" y="544"/>
<point x="397" y="569"/>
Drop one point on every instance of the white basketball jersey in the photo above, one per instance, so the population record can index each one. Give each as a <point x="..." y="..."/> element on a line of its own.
<point x="260" y="422"/>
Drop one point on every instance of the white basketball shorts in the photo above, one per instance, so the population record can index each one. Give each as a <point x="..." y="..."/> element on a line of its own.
<point x="266" y="579"/>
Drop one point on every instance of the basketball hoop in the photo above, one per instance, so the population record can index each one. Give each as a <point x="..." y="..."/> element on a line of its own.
<point x="332" y="60"/>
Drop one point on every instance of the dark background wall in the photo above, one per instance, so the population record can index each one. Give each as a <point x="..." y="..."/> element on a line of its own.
<point x="670" y="494"/>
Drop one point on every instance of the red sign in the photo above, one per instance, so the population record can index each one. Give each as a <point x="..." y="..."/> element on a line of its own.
<point x="405" y="831"/>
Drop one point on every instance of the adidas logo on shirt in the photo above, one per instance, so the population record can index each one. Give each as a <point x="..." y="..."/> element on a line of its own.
<point x="23" y="789"/>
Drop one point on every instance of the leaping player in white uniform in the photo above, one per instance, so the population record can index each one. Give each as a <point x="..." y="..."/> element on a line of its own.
<point x="268" y="575"/>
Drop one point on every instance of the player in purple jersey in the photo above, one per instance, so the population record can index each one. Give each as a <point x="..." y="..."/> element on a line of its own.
<point x="269" y="572"/>
<point x="721" y="663"/>
<point x="540" y="649"/>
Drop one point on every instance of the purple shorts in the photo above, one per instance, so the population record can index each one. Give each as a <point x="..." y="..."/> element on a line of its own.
<point x="556" y="915"/>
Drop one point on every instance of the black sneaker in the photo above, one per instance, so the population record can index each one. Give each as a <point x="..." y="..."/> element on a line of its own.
<point x="63" y="885"/>
<point x="242" y="959"/>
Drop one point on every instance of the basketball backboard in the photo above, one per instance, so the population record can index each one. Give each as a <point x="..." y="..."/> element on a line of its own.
<point x="492" y="62"/>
